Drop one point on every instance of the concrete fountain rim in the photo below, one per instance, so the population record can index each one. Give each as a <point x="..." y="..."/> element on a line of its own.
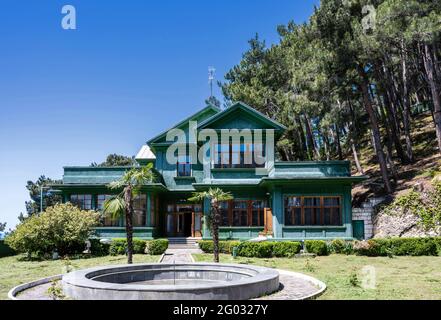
<point x="255" y="275"/>
<point x="321" y="287"/>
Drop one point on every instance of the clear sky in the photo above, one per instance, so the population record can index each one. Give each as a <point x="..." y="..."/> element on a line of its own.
<point x="130" y="70"/>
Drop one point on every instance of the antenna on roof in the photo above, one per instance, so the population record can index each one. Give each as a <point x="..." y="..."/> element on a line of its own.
<point x="211" y="72"/>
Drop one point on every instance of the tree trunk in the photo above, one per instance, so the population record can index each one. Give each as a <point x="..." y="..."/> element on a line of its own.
<point x="129" y="224"/>
<point x="357" y="161"/>
<point x="302" y="138"/>
<point x="327" y="146"/>
<point x="311" y="140"/>
<point x="391" y="103"/>
<point x="215" y="229"/>
<point x="428" y="64"/>
<point x="406" y="107"/>
<point x="389" y="149"/>
<point x="375" y="129"/>
<point x="337" y="139"/>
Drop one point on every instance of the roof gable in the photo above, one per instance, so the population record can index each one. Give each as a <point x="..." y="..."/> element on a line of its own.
<point x="199" y="116"/>
<point x="241" y="116"/>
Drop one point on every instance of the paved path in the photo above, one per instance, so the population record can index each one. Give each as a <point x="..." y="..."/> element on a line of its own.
<point x="179" y="255"/>
<point x="294" y="286"/>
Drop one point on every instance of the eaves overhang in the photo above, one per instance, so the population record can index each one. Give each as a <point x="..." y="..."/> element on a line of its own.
<point x="302" y="180"/>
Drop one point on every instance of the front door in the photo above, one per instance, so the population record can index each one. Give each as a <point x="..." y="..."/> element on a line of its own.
<point x="184" y="221"/>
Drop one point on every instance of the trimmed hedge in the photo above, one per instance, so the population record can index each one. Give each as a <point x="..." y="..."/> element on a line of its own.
<point x="254" y="249"/>
<point x="156" y="247"/>
<point x="5" y="250"/>
<point x="340" y="246"/>
<point x="286" y="248"/>
<point x="99" y="249"/>
<point x="398" y="247"/>
<point x="224" y="246"/>
<point x="119" y="246"/>
<point x="319" y="247"/>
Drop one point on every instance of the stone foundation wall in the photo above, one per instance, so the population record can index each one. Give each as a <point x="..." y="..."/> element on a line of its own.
<point x="366" y="215"/>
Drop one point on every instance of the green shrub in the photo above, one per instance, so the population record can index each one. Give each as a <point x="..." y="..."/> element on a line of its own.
<point x="63" y="227"/>
<point x="256" y="249"/>
<point x="318" y="247"/>
<point x="370" y="248"/>
<point x="286" y="248"/>
<point x="156" y="247"/>
<point x="206" y="246"/>
<point x="224" y="246"/>
<point x="118" y="246"/>
<point x="336" y="246"/>
<point x="397" y="247"/>
<point x="413" y="246"/>
<point x="227" y="246"/>
<point x="5" y="250"/>
<point x="99" y="249"/>
<point x="340" y="246"/>
<point x="438" y="244"/>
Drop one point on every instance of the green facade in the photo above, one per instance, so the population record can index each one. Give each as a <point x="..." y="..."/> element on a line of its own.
<point x="279" y="182"/>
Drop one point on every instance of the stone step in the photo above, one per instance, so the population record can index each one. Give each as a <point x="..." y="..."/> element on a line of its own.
<point x="180" y="246"/>
<point x="183" y="243"/>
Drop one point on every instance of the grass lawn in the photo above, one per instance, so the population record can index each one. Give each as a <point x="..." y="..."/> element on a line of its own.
<point x="396" y="278"/>
<point x="14" y="270"/>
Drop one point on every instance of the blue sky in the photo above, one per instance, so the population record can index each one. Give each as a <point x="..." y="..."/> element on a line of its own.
<point x="130" y="70"/>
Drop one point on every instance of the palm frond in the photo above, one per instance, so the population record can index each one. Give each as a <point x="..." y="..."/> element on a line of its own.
<point x="118" y="184"/>
<point x="198" y="196"/>
<point x="214" y="194"/>
<point x="114" y="207"/>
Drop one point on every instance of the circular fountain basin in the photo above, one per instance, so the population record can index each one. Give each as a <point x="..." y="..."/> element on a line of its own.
<point x="196" y="281"/>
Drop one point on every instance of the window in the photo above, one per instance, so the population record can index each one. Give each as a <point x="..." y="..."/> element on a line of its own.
<point x="107" y="220"/>
<point x="240" y="213"/>
<point x="239" y="155"/>
<point x="101" y="198"/>
<point x="243" y="213"/>
<point x="312" y="208"/>
<point x="313" y="211"/>
<point x="184" y="166"/>
<point x="139" y="210"/>
<point x="224" y="208"/>
<point x="83" y="201"/>
<point x="257" y="213"/>
<point x="331" y="206"/>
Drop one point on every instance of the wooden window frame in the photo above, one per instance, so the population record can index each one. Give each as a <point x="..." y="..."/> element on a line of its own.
<point x="185" y="164"/>
<point x="83" y="197"/>
<point x="248" y="148"/>
<point x="259" y="211"/>
<point x="291" y="210"/>
<point x="249" y="210"/>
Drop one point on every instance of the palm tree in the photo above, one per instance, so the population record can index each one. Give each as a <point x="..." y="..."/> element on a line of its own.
<point x="122" y="204"/>
<point x="215" y="195"/>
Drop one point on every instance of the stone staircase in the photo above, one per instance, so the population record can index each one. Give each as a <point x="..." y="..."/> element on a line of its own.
<point x="183" y="243"/>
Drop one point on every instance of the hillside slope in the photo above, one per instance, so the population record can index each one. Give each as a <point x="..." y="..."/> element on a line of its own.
<point x="428" y="161"/>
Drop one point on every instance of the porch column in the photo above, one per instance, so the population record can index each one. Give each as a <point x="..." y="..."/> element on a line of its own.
<point x="206" y="230"/>
<point x="277" y="212"/>
<point x="347" y="215"/>
<point x="148" y="213"/>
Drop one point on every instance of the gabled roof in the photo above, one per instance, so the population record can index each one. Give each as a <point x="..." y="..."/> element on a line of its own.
<point x="241" y="106"/>
<point x="207" y="109"/>
<point x="145" y="153"/>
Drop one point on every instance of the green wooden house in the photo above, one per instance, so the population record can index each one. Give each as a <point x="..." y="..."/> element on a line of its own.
<point x="285" y="200"/>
